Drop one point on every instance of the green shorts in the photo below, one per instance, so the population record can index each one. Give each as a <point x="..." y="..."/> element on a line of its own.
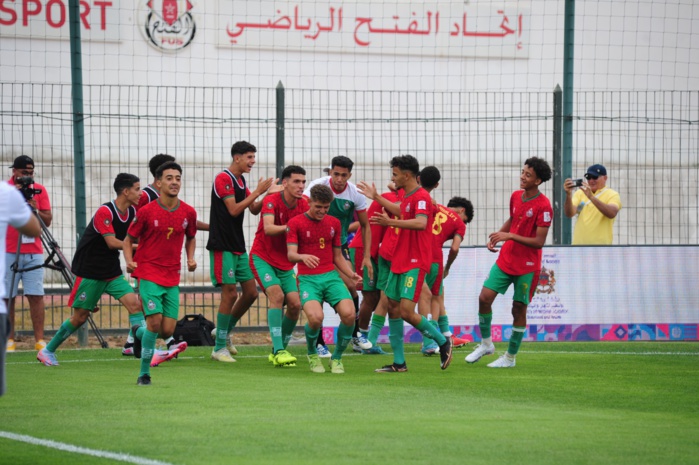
<point x="499" y="281"/>
<point x="405" y="285"/>
<point x="87" y="292"/>
<point x="266" y="276"/>
<point x="383" y="269"/>
<point x="229" y="268"/>
<point x="159" y="299"/>
<point x="434" y="279"/>
<point x="367" y="284"/>
<point x="326" y="287"/>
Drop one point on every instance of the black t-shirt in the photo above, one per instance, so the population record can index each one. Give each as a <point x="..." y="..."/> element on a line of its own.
<point x="226" y="231"/>
<point x="93" y="259"/>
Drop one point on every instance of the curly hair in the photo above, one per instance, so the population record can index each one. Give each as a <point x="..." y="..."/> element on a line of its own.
<point x="540" y="167"/>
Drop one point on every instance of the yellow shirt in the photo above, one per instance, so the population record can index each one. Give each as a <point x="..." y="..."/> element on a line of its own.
<point x="592" y="227"/>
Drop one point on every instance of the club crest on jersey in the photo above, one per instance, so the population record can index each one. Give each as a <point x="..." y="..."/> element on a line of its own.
<point x="268" y="278"/>
<point x="83" y="296"/>
<point x="305" y="294"/>
<point x="155" y="223"/>
<point x="346" y="206"/>
<point x="269" y="205"/>
<point x="185" y="223"/>
<point x="332" y="232"/>
<point x="407" y="208"/>
<point x="151" y="305"/>
<point x="230" y="272"/>
<point x="228" y="187"/>
<point x="530" y="213"/>
<point x="106" y="222"/>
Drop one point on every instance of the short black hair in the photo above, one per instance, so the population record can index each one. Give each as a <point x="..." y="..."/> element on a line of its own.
<point x="406" y="163"/>
<point x="322" y="194"/>
<point x="429" y="177"/>
<point x="292" y="169"/>
<point x="170" y="165"/>
<point x="242" y="147"/>
<point x="540" y="167"/>
<point x="124" y="181"/>
<point x="158" y="160"/>
<point x="456" y="202"/>
<point x="343" y="162"/>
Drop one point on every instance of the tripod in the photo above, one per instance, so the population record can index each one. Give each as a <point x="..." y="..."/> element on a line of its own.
<point x="54" y="261"/>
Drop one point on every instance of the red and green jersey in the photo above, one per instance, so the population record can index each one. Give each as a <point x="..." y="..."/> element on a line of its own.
<point x="160" y="233"/>
<point x="390" y="235"/>
<point x="414" y="247"/>
<point x="377" y="231"/>
<point x="445" y="226"/>
<point x="527" y="215"/>
<point x="315" y="238"/>
<point x="272" y="249"/>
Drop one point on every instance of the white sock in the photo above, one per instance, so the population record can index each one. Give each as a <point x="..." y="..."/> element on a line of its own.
<point x="487" y="341"/>
<point x="167" y="341"/>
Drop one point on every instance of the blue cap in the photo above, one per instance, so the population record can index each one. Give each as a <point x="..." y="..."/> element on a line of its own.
<point x="597" y="170"/>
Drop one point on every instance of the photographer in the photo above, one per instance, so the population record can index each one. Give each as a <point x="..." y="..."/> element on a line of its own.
<point x="30" y="253"/>
<point x="15" y="213"/>
<point x="596" y="206"/>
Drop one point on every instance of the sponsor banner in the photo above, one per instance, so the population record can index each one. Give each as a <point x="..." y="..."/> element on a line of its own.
<point x="643" y="293"/>
<point x="48" y="19"/>
<point x="441" y="29"/>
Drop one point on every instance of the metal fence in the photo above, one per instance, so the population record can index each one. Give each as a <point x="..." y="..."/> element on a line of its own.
<point x="648" y="141"/>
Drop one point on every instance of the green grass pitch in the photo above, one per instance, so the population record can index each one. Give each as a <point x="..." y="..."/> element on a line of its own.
<point x="564" y="403"/>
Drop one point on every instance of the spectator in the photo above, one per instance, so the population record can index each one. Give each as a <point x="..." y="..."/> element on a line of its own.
<point x="31" y="253"/>
<point x="596" y="206"/>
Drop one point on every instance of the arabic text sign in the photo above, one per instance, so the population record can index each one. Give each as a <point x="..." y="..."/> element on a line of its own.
<point x="48" y="19"/>
<point x="424" y="29"/>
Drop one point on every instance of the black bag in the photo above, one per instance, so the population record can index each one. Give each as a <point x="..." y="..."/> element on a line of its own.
<point x="195" y="330"/>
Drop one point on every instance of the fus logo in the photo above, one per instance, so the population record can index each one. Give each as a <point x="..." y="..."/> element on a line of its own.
<point x="167" y="25"/>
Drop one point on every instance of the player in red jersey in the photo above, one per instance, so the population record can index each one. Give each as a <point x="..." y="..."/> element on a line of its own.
<point x="96" y="264"/>
<point x="270" y="264"/>
<point x="446" y="225"/>
<point x="374" y="306"/>
<point x="314" y="242"/>
<point x="411" y="260"/>
<point x="524" y="234"/>
<point x="228" y="256"/>
<point x="160" y="228"/>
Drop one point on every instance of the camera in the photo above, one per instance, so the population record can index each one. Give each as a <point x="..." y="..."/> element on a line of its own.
<point x="26" y="187"/>
<point x="577" y="182"/>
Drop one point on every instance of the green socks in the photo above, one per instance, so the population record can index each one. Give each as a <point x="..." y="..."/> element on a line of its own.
<point x="395" y="335"/>
<point x="274" y="321"/>
<point x="288" y="326"/>
<point x="427" y="340"/>
<point x="135" y="319"/>
<point x="484" y="322"/>
<point x="62" y="334"/>
<point x="311" y="339"/>
<point x="430" y="331"/>
<point x="443" y="323"/>
<point x="344" y="335"/>
<point x="148" y="344"/>
<point x="516" y="339"/>
<point x="377" y="322"/>
<point x="222" y="322"/>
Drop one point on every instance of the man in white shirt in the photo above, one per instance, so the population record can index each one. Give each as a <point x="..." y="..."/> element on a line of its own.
<point x="14" y="211"/>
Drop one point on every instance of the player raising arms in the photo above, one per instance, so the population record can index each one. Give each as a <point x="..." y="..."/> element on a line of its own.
<point x="411" y="260"/>
<point x="160" y="228"/>
<point x="270" y="263"/>
<point x="230" y="197"/>
<point x="96" y="264"/>
<point x="524" y="234"/>
<point x="314" y="242"/>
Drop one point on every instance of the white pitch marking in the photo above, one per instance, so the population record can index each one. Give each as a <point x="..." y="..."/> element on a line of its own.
<point x="80" y="450"/>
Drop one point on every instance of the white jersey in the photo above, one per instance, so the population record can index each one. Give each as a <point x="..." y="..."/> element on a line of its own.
<point x="15" y="212"/>
<point x="345" y="204"/>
